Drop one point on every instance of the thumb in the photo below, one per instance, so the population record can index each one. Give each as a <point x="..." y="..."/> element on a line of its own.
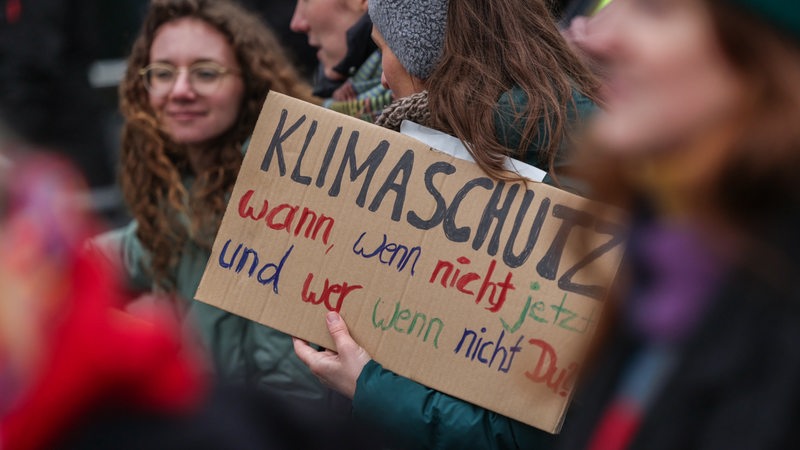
<point x="339" y="332"/>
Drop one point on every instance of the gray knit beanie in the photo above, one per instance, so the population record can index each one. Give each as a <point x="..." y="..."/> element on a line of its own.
<point x="413" y="30"/>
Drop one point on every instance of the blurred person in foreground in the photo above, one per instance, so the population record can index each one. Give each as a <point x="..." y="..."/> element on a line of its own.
<point x="196" y="81"/>
<point x="700" y="141"/>
<point x="66" y="345"/>
<point x="80" y="371"/>
<point x="349" y="78"/>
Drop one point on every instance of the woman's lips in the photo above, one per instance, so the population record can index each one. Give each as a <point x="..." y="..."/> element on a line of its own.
<point x="185" y="115"/>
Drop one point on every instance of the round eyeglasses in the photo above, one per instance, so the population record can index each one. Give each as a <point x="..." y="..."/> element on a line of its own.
<point x="204" y="78"/>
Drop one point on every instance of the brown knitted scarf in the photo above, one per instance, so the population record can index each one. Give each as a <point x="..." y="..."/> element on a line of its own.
<point x="413" y="108"/>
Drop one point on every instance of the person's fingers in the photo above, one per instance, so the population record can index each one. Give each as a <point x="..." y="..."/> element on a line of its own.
<point x="338" y="370"/>
<point x="307" y="354"/>
<point x="353" y="355"/>
<point x="339" y="332"/>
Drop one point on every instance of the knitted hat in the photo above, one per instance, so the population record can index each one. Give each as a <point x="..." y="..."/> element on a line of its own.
<point x="413" y="30"/>
<point x="785" y="14"/>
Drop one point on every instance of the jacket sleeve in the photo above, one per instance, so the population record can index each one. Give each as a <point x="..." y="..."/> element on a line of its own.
<point x="123" y="250"/>
<point x="412" y="416"/>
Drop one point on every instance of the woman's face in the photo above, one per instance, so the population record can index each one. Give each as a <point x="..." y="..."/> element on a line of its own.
<point x="191" y="113"/>
<point x="669" y="83"/>
<point x="395" y="76"/>
<point x="326" y="22"/>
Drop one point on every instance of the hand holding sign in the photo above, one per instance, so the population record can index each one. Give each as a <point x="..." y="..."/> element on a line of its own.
<point x="471" y="286"/>
<point x="339" y="370"/>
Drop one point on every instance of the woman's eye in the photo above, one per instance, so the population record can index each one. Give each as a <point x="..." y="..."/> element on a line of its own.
<point x="206" y="74"/>
<point x="162" y="74"/>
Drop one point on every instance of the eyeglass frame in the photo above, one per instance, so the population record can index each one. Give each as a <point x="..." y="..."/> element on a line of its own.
<point x="221" y="70"/>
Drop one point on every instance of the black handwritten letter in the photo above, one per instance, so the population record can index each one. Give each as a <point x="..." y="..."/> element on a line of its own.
<point x="509" y="257"/>
<point x="302" y="179"/>
<point x="570" y="218"/>
<point x="441" y="206"/>
<point x="404" y="165"/>
<point x="452" y="232"/>
<point x="349" y="161"/>
<point x="492" y="212"/>
<point x="593" y="291"/>
<point x="326" y="161"/>
<point x="276" y="142"/>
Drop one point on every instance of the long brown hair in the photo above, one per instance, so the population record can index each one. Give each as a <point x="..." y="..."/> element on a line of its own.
<point x="761" y="176"/>
<point x="756" y="190"/>
<point x="489" y="48"/>
<point x="154" y="167"/>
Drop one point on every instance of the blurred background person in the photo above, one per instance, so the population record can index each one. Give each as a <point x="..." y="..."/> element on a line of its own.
<point x="565" y="11"/>
<point x="80" y="371"/>
<point x="700" y="142"/>
<point x="586" y="26"/>
<point x="517" y="91"/>
<point x="195" y="84"/>
<point x="349" y="77"/>
<point x="278" y="15"/>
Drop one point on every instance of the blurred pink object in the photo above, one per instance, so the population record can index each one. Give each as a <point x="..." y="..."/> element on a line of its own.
<point x="66" y="345"/>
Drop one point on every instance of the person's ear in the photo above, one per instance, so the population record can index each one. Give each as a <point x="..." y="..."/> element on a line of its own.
<point x="364" y="5"/>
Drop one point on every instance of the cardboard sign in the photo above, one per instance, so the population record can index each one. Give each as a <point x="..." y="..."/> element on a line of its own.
<point x="484" y="290"/>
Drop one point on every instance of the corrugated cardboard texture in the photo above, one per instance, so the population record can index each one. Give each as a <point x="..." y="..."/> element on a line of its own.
<point x="481" y="289"/>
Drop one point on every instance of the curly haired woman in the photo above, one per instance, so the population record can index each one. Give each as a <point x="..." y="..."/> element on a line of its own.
<point x="196" y="81"/>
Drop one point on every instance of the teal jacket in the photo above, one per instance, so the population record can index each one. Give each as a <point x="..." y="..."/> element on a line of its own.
<point x="412" y="416"/>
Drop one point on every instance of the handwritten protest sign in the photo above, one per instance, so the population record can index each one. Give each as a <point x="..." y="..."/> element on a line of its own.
<point x="482" y="289"/>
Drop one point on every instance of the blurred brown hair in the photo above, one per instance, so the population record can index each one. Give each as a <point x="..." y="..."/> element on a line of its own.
<point x="153" y="166"/>
<point x="757" y="187"/>
<point x="759" y="175"/>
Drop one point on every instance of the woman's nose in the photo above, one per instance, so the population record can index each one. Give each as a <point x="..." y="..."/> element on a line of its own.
<point x="183" y="85"/>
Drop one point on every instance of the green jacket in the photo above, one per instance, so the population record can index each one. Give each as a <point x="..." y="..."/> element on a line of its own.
<point x="412" y="416"/>
<point x="243" y="351"/>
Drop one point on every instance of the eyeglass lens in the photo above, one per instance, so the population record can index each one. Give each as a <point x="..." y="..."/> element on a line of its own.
<point x="203" y="78"/>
